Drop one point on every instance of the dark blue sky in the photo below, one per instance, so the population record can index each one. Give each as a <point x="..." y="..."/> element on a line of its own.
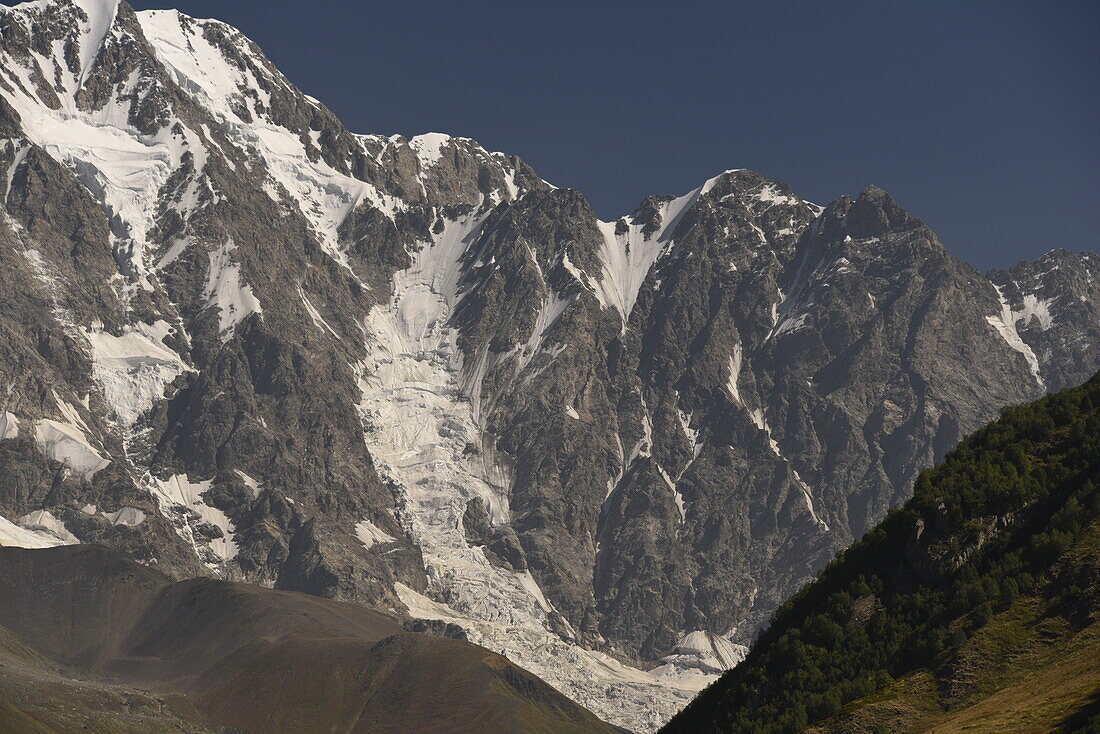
<point x="982" y="118"/>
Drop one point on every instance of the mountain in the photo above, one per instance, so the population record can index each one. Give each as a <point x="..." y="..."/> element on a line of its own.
<point x="975" y="607"/>
<point x="243" y="341"/>
<point x="91" y="640"/>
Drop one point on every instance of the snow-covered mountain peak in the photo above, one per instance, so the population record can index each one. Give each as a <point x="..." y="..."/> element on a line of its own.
<point x="221" y="68"/>
<point x="429" y="147"/>
<point x="66" y="36"/>
<point x="100" y="17"/>
<point x="134" y="100"/>
<point x="633" y="245"/>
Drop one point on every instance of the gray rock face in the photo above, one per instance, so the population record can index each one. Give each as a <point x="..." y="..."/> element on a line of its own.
<point x="821" y="378"/>
<point x="1052" y="303"/>
<point x="409" y="373"/>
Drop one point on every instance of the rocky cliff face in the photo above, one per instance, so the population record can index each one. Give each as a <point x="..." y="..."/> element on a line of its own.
<point x="241" y="340"/>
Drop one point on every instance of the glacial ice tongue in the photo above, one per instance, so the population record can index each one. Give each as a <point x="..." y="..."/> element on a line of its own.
<point x="420" y="422"/>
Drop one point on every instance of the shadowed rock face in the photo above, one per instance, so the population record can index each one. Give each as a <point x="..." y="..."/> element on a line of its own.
<point x="214" y="654"/>
<point x="408" y="373"/>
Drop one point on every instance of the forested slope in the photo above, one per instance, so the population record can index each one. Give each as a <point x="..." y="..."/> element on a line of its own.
<point x="973" y="607"/>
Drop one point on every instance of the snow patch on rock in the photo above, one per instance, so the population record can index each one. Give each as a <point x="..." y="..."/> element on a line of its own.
<point x="181" y="501"/>
<point x="133" y="369"/>
<point x="552" y="309"/>
<point x="129" y="517"/>
<point x="429" y="148"/>
<point x="370" y="534"/>
<point x="1035" y="308"/>
<point x="17" y="160"/>
<point x="793" y="323"/>
<point x="676" y="496"/>
<point x="323" y="195"/>
<point x="14" y="536"/>
<point x="101" y="16"/>
<point x="690" y="433"/>
<point x="9" y="426"/>
<point x="628" y="256"/>
<point x="44" y="524"/>
<point x="1005" y="324"/>
<point x="249" y="482"/>
<point x="68" y="444"/>
<point x="770" y="194"/>
<point x="735" y="374"/>
<point x="123" y="168"/>
<point x="314" y="314"/>
<point x="760" y="420"/>
<point x="225" y="291"/>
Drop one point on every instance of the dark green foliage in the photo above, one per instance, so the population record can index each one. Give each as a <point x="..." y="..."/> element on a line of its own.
<point x="982" y="529"/>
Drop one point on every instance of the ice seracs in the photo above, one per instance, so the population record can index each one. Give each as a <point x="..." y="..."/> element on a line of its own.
<point x="425" y="407"/>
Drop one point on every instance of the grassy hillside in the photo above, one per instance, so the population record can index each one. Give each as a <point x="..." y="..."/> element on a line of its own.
<point x="92" y="642"/>
<point x="975" y="607"/>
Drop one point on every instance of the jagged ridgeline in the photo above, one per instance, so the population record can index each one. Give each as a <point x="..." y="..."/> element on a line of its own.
<point x="974" y="607"/>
